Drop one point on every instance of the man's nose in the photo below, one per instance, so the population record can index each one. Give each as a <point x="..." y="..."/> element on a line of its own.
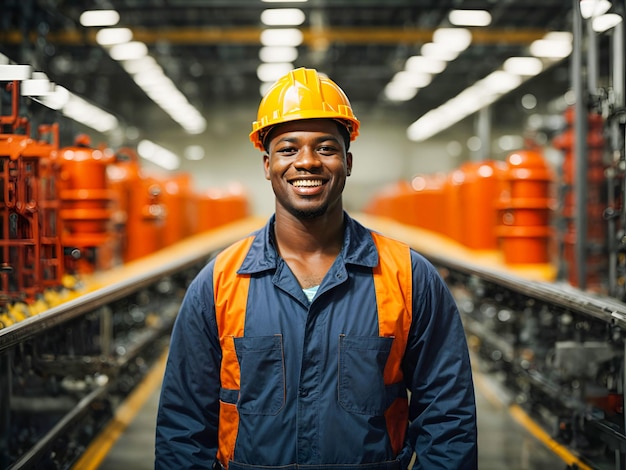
<point x="307" y="158"/>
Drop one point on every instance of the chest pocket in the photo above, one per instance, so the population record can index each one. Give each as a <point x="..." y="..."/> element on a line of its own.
<point x="262" y="375"/>
<point x="361" y="364"/>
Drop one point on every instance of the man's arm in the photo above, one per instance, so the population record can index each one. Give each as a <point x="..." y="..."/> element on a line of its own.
<point x="187" y="420"/>
<point x="437" y="370"/>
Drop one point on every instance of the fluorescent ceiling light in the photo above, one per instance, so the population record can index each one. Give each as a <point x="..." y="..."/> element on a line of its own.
<point x="278" y="54"/>
<point x="272" y="72"/>
<point x="57" y="99"/>
<point x="281" y="37"/>
<point x="605" y="22"/>
<point x="469" y="17"/>
<point x="395" y="91"/>
<point x="140" y="65"/>
<point x="38" y="85"/>
<point x="550" y="49"/>
<point x="112" y="36"/>
<point x="424" y="64"/>
<point x="412" y="79"/>
<point x="129" y="51"/>
<point x="86" y="113"/>
<point x="99" y="18"/>
<point x="438" y="51"/>
<point x="456" y="39"/>
<point x="15" y="72"/>
<point x="523" y="65"/>
<point x="591" y="8"/>
<point x="500" y="82"/>
<point x="158" y="155"/>
<point x="283" y="17"/>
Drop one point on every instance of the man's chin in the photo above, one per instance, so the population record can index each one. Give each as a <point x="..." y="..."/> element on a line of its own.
<point x="309" y="214"/>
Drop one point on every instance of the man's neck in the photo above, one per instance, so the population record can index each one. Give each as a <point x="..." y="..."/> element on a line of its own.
<point x="319" y="235"/>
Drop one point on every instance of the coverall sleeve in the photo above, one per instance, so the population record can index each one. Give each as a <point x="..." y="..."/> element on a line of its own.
<point x="442" y="413"/>
<point x="187" y="419"/>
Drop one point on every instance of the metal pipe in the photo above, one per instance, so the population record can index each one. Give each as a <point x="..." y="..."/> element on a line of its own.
<point x="5" y="406"/>
<point x="483" y="131"/>
<point x="580" y="149"/>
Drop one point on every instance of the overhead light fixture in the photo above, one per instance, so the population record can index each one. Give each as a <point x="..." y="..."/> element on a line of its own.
<point x="605" y="22"/>
<point x="272" y="72"/>
<point x="37" y="85"/>
<point x="593" y="8"/>
<point x="523" y="65"/>
<point x="128" y="51"/>
<point x="550" y="49"/>
<point x="15" y="72"/>
<point x="438" y="51"/>
<point x="99" y="18"/>
<point x="278" y="54"/>
<point x="284" y="1"/>
<point x="158" y="155"/>
<point x="423" y="64"/>
<point x="469" y="17"/>
<point x="57" y="99"/>
<point x="396" y="91"/>
<point x="111" y="36"/>
<point x="480" y="95"/>
<point x="412" y="79"/>
<point x="281" y="37"/>
<point x="456" y="39"/>
<point x="283" y="17"/>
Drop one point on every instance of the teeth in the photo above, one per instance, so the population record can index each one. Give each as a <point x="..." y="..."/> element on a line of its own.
<point x="307" y="183"/>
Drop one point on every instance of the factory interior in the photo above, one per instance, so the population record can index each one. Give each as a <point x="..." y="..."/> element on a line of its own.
<point x="492" y="141"/>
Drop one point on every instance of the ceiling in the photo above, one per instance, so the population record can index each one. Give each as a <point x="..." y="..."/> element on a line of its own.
<point x="210" y="48"/>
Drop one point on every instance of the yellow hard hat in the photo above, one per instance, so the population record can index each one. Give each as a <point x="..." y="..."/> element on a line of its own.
<point x="302" y="94"/>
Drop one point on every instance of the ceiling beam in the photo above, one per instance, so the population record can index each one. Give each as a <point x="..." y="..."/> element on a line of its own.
<point x="311" y="36"/>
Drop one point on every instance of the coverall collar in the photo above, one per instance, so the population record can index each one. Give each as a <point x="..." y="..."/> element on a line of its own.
<point x="358" y="248"/>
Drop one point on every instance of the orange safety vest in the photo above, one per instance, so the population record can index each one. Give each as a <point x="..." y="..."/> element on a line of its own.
<point x="393" y="284"/>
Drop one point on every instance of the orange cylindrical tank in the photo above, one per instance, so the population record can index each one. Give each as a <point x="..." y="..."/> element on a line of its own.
<point x="525" y="206"/>
<point x="478" y="193"/>
<point x="525" y="244"/>
<point x="177" y="201"/>
<point x="453" y="225"/>
<point x="87" y="207"/>
<point x="429" y="201"/>
<point x="140" y="213"/>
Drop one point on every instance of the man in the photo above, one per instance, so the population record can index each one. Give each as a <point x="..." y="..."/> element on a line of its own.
<point x="295" y="347"/>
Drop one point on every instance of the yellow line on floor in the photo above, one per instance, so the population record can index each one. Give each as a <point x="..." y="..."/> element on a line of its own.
<point x="563" y="452"/>
<point x="124" y="415"/>
<point x="527" y="422"/>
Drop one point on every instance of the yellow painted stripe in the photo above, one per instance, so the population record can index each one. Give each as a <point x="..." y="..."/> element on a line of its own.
<point x="527" y="422"/>
<point x="124" y="415"/>
<point x="563" y="452"/>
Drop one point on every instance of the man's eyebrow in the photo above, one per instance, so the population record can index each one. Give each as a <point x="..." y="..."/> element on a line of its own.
<point x="319" y="139"/>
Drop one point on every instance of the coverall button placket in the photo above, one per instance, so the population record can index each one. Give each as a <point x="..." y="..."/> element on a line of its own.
<point x="308" y="390"/>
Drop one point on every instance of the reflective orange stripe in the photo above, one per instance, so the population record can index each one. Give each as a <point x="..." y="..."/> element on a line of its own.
<point x="393" y="281"/>
<point x="231" y="296"/>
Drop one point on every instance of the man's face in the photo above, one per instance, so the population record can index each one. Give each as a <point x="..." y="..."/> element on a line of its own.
<point x="307" y="164"/>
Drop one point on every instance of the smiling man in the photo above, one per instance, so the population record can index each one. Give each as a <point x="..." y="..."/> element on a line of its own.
<point x="316" y="343"/>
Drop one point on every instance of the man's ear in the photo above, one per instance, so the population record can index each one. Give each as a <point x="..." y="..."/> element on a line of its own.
<point x="266" y="166"/>
<point x="349" y="163"/>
